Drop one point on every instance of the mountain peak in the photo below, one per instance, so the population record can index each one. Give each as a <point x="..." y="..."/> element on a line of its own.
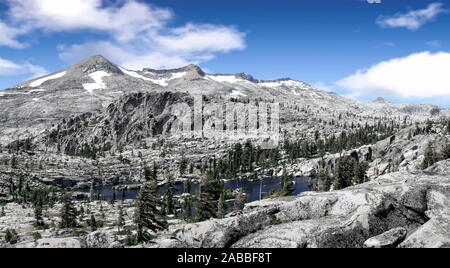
<point x="381" y="100"/>
<point x="247" y="77"/>
<point x="96" y="63"/>
<point x="192" y="68"/>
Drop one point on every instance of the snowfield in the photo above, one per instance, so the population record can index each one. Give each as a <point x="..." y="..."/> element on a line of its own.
<point x="161" y="81"/>
<point x="287" y="83"/>
<point x="39" y="82"/>
<point x="99" y="84"/>
<point x="226" y="78"/>
<point x="37" y="90"/>
<point x="236" y="93"/>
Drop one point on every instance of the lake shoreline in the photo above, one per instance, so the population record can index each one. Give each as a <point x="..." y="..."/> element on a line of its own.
<point x="255" y="189"/>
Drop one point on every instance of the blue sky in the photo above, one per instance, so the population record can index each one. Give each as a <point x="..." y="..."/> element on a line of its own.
<point x="401" y="47"/>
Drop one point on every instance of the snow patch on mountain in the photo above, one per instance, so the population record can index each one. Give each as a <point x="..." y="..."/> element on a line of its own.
<point x="282" y="83"/>
<point x="134" y="74"/>
<point x="161" y="81"/>
<point x="37" y="90"/>
<point x="226" y="78"/>
<point x="178" y="75"/>
<point x="99" y="84"/>
<point x="236" y="93"/>
<point x="40" y="81"/>
<point x="295" y="92"/>
<point x="286" y="83"/>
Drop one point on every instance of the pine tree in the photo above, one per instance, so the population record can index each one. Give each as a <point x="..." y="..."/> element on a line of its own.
<point x="148" y="175"/>
<point x="360" y="172"/>
<point x="240" y="199"/>
<point x="11" y="236"/>
<point x="92" y="222"/>
<point x="91" y="192"/>
<point x="120" y="219"/>
<point x="187" y="214"/>
<point x="187" y="186"/>
<point x="207" y="197"/>
<point x="288" y="186"/>
<point x="325" y="177"/>
<point x="183" y="165"/>
<point x="113" y="198"/>
<point x="81" y="211"/>
<point x="38" y="218"/>
<point x="2" y="213"/>
<point x="147" y="212"/>
<point x="446" y="152"/>
<point x="222" y="206"/>
<point x="344" y="173"/>
<point x="429" y="127"/>
<point x="13" y="162"/>
<point x="448" y="126"/>
<point x="430" y="157"/>
<point x="123" y="196"/>
<point x="191" y="168"/>
<point x="168" y="196"/>
<point x="204" y="206"/>
<point x="154" y="174"/>
<point x="317" y="135"/>
<point x="68" y="214"/>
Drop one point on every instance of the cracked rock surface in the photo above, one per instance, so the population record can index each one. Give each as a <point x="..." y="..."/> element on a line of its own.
<point x="381" y="213"/>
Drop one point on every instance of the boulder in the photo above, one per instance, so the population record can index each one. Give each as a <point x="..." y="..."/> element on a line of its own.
<point x="102" y="239"/>
<point x="68" y="242"/>
<point x="433" y="234"/>
<point x="389" y="239"/>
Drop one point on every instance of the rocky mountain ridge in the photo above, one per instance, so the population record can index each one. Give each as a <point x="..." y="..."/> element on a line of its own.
<point x="29" y="108"/>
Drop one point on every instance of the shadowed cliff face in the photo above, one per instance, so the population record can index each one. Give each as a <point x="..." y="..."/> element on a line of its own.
<point x="126" y="121"/>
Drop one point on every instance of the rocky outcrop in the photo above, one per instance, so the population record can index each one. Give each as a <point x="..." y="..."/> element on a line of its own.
<point x="58" y="243"/>
<point x="126" y="121"/>
<point x="389" y="239"/>
<point x="101" y="239"/>
<point x="383" y="209"/>
<point x="442" y="167"/>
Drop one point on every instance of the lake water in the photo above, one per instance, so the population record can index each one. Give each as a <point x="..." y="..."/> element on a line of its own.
<point x="252" y="188"/>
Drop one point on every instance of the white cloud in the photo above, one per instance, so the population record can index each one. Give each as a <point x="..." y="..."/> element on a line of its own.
<point x="123" y="21"/>
<point x="128" y="56"/>
<point x="412" y="20"/>
<point x="8" y="68"/>
<point x="419" y="76"/>
<point x="324" y="86"/>
<point x="202" y="37"/>
<point x="193" y="43"/>
<point x="137" y="33"/>
<point x="9" y="34"/>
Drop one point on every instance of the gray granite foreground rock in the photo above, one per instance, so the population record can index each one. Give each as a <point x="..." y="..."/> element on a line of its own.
<point x="388" y="239"/>
<point x="393" y="206"/>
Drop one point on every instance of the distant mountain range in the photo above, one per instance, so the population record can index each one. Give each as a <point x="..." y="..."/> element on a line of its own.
<point x="31" y="107"/>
